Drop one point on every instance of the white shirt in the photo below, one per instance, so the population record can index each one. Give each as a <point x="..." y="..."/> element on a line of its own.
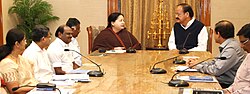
<point x="60" y="58"/>
<point x="75" y="46"/>
<point x="202" y="38"/>
<point x="42" y="67"/>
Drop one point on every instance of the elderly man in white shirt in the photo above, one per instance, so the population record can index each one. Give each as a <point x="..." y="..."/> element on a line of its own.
<point x="37" y="53"/>
<point x="187" y="33"/>
<point x="74" y="24"/>
<point x="62" y="61"/>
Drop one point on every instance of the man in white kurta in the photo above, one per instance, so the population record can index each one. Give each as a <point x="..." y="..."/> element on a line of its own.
<point x="37" y="53"/>
<point x="59" y="57"/>
<point x="62" y="61"/>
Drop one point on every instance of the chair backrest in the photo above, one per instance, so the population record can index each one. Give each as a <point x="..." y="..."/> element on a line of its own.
<point x="93" y="31"/>
<point x="210" y="39"/>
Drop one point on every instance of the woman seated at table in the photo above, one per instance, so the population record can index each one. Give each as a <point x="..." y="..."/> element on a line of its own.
<point x="115" y="35"/>
<point x="16" y="70"/>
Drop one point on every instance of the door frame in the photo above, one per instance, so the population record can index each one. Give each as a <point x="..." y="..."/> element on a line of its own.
<point x="1" y="24"/>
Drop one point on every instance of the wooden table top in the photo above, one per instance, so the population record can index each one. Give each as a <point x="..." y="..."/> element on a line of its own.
<point x="128" y="73"/>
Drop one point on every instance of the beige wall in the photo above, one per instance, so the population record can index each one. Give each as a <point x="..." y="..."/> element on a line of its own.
<point x="89" y="12"/>
<point x="236" y="11"/>
<point x="8" y="21"/>
<point x="94" y="12"/>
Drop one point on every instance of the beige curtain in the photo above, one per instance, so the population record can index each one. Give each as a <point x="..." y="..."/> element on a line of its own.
<point x="138" y="15"/>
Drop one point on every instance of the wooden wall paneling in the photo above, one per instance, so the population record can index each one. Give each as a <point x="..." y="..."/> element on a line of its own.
<point x="205" y="12"/>
<point x="113" y="6"/>
<point x="1" y="24"/>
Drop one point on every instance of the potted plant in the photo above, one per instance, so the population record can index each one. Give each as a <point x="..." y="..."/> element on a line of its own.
<point x="31" y="13"/>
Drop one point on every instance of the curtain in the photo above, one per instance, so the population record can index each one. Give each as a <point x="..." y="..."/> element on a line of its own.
<point x="140" y="14"/>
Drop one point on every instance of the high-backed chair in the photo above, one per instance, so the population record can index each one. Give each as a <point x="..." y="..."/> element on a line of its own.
<point x="210" y="39"/>
<point x="93" y="31"/>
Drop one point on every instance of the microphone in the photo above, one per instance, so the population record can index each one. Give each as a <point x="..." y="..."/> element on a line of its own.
<point x="130" y="49"/>
<point x="184" y="50"/>
<point x="182" y="83"/>
<point x="40" y="86"/>
<point x="90" y="73"/>
<point x="102" y="50"/>
<point x="179" y="61"/>
<point x="160" y="70"/>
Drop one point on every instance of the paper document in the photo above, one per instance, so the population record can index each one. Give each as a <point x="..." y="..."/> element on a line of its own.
<point x="78" y="71"/>
<point x="186" y="58"/>
<point x="74" y="77"/>
<point x="181" y="68"/>
<point x="115" y="51"/>
<point x="63" y="83"/>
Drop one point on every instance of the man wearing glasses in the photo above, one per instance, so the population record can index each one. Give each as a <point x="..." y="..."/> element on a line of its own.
<point x="37" y="53"/>
<point x="241" y="83"/>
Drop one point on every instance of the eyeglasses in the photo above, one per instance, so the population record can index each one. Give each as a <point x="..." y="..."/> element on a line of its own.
<point x="48" y="36"/>
<point x="244" y="42"/>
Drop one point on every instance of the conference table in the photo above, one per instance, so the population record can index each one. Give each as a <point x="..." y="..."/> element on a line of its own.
<point x="129" y="73"/>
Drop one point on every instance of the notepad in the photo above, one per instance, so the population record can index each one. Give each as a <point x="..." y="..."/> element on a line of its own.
<point x="198" y="78"/>
<point x="201" y="78"/>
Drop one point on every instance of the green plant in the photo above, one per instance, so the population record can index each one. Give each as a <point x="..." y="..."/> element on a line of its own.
<point x="31" y="13"/>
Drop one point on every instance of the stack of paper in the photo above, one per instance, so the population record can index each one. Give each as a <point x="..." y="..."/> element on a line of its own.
<point x="78" y="71"/>
<point x="68" y="78"/>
